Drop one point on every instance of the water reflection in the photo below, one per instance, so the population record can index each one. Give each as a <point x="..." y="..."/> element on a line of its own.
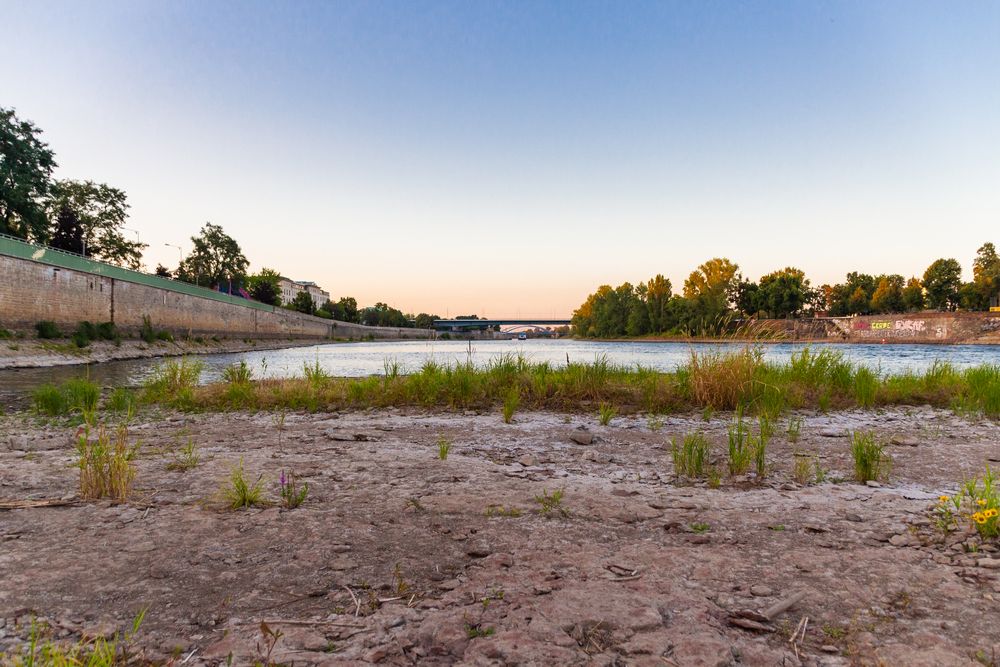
<point x="362" y="359"/>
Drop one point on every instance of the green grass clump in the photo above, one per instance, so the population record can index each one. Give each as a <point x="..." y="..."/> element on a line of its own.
<point x="871" y="462"/>
<point x="47" y="329"/>
<point x="551" y="503"/>
<point x="444" y="447"/>
<point x="73" y="395"/>
<point x="173" y="382"/>
<point x="185" y="458"/>
<point x="240" y="373"/>
<point x="49" y="400"/>
<point x="42" y="650"/>
<point x="605" y="413"/>
<point x="739" y="448"/>
<point x="241" y="494"/>
<point x="510" y="403"/>
<point x="106" y="463"/>
<point x="122" y="401"/>
<point x="690" y="455"/>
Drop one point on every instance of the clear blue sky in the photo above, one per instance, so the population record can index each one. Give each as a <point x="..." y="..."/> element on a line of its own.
<point x="505" y="158"/>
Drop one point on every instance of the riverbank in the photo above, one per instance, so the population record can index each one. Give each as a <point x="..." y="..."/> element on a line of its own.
<point x="398" y="555"/>
<point x="34" y="353"/>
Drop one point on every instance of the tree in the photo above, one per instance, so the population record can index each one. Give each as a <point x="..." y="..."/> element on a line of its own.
<point x="264" y="286"/>
<point x="942" y="280"/>
<point x="783" y="293"/>
<point x="913" y="295"/>
<point x="163" y="271"/>
<point x="101" y="212"/>
<point x="303" y="302"/>
<point x="747" y="298"/>
<point x="345" y="310"/>
<point x="971" y="297"/>
<point x="68" y="233"/>
<point x="658" y="293"/>
<point x="986" y="273"/>
<point x="888" y="295"/>
<point x="26" y="164"/>
<point x="216" y="258"/>
<point x="383" y="315"/>
<point x="425" y="321"/>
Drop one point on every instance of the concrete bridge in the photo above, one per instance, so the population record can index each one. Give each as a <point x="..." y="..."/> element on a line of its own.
<point x="469" y="325"/>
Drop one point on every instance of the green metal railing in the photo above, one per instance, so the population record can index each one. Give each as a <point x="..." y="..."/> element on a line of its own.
<point x="15" y="247"/>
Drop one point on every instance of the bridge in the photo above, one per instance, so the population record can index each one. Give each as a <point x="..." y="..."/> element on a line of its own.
<point x="466" y="325"/>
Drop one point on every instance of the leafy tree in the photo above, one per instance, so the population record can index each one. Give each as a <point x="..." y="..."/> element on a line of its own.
<point x="853" y="297"/>
<point x="303" y="302"/>
<point x="383" y="315"/>
<point x="216" y="258"/>
<point x="783" y="293"/>
<point x="425" y="321"/>
<point x="858" y="303"/>
<point x="163" y="271"/>
<point x="101" y="212"/>
<point x="710" y="288"/>
<point x="658" y="293"/>
<point x="264" y="286"/>
<point x="747" y="297"/>
<point x="344" y="310"/>
<point x="26" y="164"/>
<point x="913" y="295"/>
<point x="888" y="295"/>
<point x="68" y="233"/>
<point x="942" y="280"/>
<point x="971" y="297"/>
<point x="986" y="273"/>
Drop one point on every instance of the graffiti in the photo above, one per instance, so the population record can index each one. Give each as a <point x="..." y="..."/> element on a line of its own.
<point x="896" y="329"/>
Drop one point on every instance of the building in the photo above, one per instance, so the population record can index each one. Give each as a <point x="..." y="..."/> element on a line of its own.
<point x="290" y="288"/>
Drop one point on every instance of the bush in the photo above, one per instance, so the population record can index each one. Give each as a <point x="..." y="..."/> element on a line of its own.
<point x="47" y="329"/>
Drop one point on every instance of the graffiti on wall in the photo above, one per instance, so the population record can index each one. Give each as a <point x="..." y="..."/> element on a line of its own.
<point x="898" y="329"/>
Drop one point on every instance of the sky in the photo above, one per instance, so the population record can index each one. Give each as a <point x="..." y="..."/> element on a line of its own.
<point x="506" y="158"/>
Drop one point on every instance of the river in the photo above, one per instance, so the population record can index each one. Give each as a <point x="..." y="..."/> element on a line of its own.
<point x="362" y="359"/>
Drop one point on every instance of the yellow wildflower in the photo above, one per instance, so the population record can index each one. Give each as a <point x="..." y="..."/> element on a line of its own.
<point x="979" y="518"/>
<point x="981" y="502"/>
<point x="943" y="499"/>
<point x="990" y="513"/>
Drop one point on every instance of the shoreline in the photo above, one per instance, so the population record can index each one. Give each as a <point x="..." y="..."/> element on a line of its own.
<point x="16" y="354"/>
<point x="785" y="341"/>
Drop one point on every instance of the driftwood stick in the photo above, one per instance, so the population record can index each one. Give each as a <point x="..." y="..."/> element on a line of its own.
<point x="783" y="605"/>
<point x="29" y="504"/>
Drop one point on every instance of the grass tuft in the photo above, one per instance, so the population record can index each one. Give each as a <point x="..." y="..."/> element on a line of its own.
<point x="871" y="462"/>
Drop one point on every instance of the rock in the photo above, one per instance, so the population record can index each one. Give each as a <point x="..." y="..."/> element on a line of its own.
<point x="991" y="563"/>
<point x="873" y="484"/>
<point x="527" y="460"/>
<point x="832" y="433"/>
<point x="582" y="437"/>
<point x="478" y="550"/>
<point x="903" y="441"/>
<point x="829" y="648"/>
<point x="851" y="516"/>
<point x="761" y="591"/>
<point x="899" y="540"/>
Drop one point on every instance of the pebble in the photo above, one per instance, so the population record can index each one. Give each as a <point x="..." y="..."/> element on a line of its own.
<point x="761" y="591"/>
<point x="582" y="437"/>
<point x="899" y="540"/>
<point x="990" y="563"/>
<point x="527" y="461"/>
<point x="873" y="484"/>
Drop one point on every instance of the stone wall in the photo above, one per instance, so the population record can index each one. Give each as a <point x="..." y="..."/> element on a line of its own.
<point x="926" y="327"/>
<point x="31" y="291"/>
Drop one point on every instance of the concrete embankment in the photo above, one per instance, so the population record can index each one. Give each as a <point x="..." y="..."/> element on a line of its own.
<point x="929" y="327"/>
<point x="39" y="283"/>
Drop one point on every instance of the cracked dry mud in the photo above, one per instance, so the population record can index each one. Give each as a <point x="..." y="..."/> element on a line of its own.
<point x="647" y="569"/>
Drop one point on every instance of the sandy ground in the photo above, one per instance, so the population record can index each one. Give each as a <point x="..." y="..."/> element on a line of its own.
<point x="393" y="558"/>
<point x="32" y="353"/>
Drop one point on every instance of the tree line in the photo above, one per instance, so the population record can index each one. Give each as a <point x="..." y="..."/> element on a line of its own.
<point x="716" y="294"/>
<point x="89" y="218"/>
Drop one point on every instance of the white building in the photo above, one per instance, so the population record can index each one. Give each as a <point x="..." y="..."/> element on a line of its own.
<point x="290" y="288"/>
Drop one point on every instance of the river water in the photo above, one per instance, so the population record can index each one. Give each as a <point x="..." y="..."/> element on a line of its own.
<point x="362" y="359"/>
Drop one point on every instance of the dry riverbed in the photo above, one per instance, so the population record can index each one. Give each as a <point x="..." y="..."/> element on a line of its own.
<point x="33" y="353"/>
<point x="398" y="557"/>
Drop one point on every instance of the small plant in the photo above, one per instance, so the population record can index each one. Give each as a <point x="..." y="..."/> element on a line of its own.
<point x="510" y="404"/>
<point x="794" y="429"/>
<point x="185" y="458"/>
<point x="315" y="374"/>
<point x="291" y="495"/>
<point x="551" y="503"/>
<point x="690" y="455"/>
<point x="270" y="639"/>
<point x="700" y="527"/>
<point x="605" y="413"/>
<point x="739" y="450"/>
<point x="49" y="400"/>
<point x="444" y="446"/>
<point x="106" y="463"/>
<point x="801" y="468"/>
<point x="714" y="477"/>
<point x="759" y="446"/>
<point x="400" y="587"/>
<point x="474" y="631"/>
<point x="979" y="502"/>
<point x="501" y="511"/>
<point x="871" y="462"/>
<point x="81" y="394"/>
<point x="41" y="651"/>
<point x="47" y="329"/>
<point x="241" y="494"/>
<point x="240" y="373"/>
<point x="122" y="401"/>
<point x="655" y="423"/>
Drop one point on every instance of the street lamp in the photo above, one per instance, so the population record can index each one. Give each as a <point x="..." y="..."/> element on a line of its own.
<point x="180" y="253"/>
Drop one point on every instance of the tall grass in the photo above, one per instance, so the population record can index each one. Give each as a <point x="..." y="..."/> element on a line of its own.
<point x="690" y="455"/>
<point x="871" y="462"/>
<point x="73" y="395"/>
<point x="106" y="463"/>
<point x="714" y="380"/>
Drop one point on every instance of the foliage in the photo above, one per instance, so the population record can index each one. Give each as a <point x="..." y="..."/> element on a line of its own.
<point x="383" y="315"/>
<point x="241" y="494"/>
<point x="303" y="303"/>
<point x="163" y="271"/>
<point x="690" y="456"/>
<point x="185" y="458"/>
<point x="425" y="321"/>
<point x="291" y="495"/>
<point x="263" y="286"/>
<point x="344" y="310"/>
<point x="26" y="164"/>
<point x="215" y="259"/>
<point x="106" y="463"/>
<point x="172" y="382"/>
<point x="605" y="413"/>
<point x="551" y="503"/>
<point x="444" y="447"/>
<point x="942" y="280"/>
<point x="240" y="373"/>
<point x="888" y="295"/>
<point x="871" y="462"/>
<point x="986" y="273"/>
<point x="47" y="329"/>
<point x="510" y="403"/>
<point x="740" y="447"/>
<point x="42" y="650"/>
<point x="913" y="295"/>
<point x="90" y="217"/>
<point x="74" y="395"/>
<point x="150" y="334"/>
<point x="782" y="293"/>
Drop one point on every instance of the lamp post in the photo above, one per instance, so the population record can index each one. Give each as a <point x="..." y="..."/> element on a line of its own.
<point x="180" y="253"/>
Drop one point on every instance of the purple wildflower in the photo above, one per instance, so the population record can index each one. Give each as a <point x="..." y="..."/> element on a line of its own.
<point x="282" y="477"/>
